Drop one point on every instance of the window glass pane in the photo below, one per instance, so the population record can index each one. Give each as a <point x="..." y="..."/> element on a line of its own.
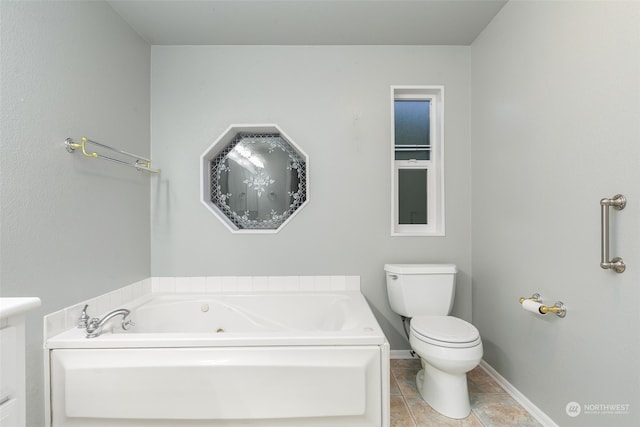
<point x="412" y="196"/>
<point x="412" y="129"/>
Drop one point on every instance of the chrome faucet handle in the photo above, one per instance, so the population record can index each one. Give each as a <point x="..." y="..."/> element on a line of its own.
<point x="127" y="323"/>
<point x="83" y="320"/>
<point x="93" y="325"/>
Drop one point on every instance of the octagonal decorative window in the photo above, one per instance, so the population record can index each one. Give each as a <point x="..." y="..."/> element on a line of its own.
<point x="254" y="178"/>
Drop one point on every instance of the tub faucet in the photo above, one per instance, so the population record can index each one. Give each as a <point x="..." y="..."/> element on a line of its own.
<point x="94" y="327"/>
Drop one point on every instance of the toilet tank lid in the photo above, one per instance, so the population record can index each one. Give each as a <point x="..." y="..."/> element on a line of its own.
<point x="420" y="268"/>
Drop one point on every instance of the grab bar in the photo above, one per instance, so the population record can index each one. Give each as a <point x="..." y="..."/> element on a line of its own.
<point x="618" y="202"/>
<point x="140" y="163"/>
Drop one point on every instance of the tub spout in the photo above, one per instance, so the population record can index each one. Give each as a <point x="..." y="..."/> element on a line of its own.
<point x="95" y="325"/>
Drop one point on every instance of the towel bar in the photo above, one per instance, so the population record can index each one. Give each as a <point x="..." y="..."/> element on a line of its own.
<point x="140" y="163"/>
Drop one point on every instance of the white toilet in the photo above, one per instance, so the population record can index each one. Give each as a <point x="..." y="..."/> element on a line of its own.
<point x="448" y="346"/>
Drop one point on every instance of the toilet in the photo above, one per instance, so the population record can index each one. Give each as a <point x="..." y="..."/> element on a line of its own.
<point x="448" y="347"/>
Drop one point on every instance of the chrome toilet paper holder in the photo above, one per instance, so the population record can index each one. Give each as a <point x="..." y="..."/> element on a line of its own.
<point x="559" y="309"/>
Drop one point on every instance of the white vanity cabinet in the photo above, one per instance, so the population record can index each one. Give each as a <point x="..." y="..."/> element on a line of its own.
<point x="12" y="359"/>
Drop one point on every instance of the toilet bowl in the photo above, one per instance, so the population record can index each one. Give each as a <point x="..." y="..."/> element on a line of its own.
<point x="449" y="348"/>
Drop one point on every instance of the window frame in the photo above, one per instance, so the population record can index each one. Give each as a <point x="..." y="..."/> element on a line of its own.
<point x="434" y="166"/>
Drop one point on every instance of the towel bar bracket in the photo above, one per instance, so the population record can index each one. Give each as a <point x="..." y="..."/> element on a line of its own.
<point x="618" y="202"/>
<point x="70" y="145"/>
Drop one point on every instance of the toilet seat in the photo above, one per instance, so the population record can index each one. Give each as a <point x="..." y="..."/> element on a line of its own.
<point x="445" y="331"/>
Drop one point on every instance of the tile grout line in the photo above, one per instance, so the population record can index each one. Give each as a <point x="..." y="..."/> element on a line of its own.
<point x="413" y="418"/>
<point x="475" y="414"/>
<point x="404" y="400"/>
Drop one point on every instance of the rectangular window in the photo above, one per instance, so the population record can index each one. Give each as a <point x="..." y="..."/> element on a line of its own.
<point x="417" y="160"/>
<point x="411" y="129"/>
<point x="412" y="196"/>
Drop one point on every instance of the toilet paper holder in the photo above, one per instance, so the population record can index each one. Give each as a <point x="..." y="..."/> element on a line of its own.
<point x="559" y="309"/>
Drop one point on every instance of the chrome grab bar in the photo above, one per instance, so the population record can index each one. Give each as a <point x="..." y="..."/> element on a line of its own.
<point x="618" y="202"/>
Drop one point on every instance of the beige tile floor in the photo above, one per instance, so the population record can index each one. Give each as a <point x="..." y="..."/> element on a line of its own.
<point x="491" y="406"/>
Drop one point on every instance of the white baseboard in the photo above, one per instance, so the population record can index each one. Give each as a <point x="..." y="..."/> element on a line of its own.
<point x="402" y="354"/>
<point x="535" y="412"/>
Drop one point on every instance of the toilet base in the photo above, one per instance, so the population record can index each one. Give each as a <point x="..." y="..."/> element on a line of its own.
<point x="446" y="393"/>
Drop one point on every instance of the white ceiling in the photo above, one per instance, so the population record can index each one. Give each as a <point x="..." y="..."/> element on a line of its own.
<point x="308" y="22"/>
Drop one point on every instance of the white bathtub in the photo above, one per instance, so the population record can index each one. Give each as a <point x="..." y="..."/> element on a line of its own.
<point x="270" y="359"/>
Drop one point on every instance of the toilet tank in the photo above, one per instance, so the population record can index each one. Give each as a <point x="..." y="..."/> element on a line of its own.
<point x="421" y="289"/>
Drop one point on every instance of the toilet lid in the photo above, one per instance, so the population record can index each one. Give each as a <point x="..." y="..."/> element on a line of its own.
<point x="445" y="329"/>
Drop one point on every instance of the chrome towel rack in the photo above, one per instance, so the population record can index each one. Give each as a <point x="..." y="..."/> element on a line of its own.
<point x="138" y="162"/>
<point x="618" y="202"/>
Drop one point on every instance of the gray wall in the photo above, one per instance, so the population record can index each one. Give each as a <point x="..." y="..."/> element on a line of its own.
<point x="71" y="227"/>
<point x="555" y="127"/>
<point x="554" y="101"/>
<point x="334" y="102"/>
